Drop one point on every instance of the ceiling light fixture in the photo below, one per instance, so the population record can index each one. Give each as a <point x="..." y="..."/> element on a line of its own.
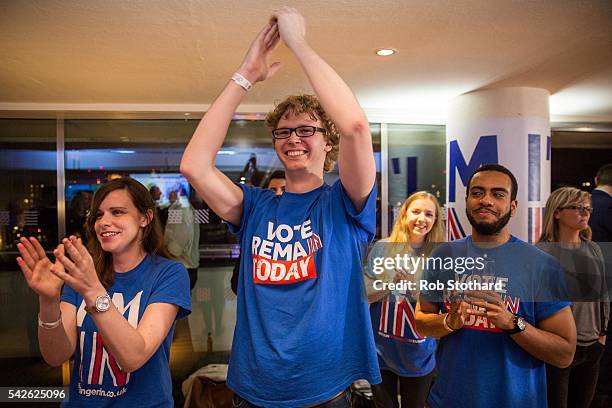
<point x="385" y="52"/>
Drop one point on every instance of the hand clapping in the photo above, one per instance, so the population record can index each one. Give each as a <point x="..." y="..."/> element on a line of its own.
<point x="255" y="66"/>
<point x="458" y="312"/>
<point x="490" y="305"/>
<point x="291" y="26"/>
<point x="36" y="268"/>
<point x="79" y="270"/>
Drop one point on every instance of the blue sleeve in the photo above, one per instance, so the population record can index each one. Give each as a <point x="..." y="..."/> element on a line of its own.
<point x="250" y="196"/>
<point x="375" y="251"/>
<point x="364" y="220"/>
<point x="542" y="310"/>
<point x="552" y="294"/>
<point x="172" y="286"/>
<point x="70" y="295"/>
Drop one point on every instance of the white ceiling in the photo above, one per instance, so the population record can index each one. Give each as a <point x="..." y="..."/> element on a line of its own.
<point x="176" y="55"/>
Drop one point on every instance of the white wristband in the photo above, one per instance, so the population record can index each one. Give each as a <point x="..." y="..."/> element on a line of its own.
<point x="50" y="325"/>
<point x="446" y="325"/>
<point x="242" y="81"/>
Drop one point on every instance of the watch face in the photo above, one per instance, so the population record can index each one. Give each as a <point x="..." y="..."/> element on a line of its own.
<point x="520" y="323"/>
<point x="103" y="303"/>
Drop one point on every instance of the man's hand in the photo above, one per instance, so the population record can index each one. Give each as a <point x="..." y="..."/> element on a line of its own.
<point x="492" y="307"/>
<point x="255" y="65"/>
<point x="291" y="26"/>
<point x="457" y="313"/>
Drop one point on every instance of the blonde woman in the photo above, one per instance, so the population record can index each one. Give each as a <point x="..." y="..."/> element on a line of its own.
<point x="405" y="357"/>
<point x="566" y="235"/>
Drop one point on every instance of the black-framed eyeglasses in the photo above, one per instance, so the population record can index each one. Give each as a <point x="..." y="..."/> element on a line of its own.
<point x="578" y="208"/>
<point x="300" y="131"/>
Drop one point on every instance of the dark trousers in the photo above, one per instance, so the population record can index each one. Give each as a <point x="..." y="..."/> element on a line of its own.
<point x="603" y="391"/>
<point x="412" y="390"/>
<point x="193" y="277"/>
<point x="574" y="386"/>
<point x="342" y="400"/>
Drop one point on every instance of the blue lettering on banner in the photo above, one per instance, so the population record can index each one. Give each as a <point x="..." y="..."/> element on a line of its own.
<point x="485" y="152"/>
<point x="411" y="175"/>
<point x="533" y="168"/>
<point x="396" y="165"/>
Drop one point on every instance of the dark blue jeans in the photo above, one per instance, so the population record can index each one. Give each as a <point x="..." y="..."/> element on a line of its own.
<point x="342" y="400"/>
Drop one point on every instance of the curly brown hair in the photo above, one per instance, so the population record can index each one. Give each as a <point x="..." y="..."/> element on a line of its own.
<point x="308" y="104"/>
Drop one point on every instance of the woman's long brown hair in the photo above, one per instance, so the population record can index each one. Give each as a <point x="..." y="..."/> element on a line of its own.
<point x="152" y="237"/>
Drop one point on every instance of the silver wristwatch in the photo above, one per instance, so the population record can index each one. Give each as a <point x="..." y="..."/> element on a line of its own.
<point x="102" y="304"/>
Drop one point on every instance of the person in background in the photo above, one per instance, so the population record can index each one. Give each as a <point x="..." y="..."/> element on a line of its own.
<point x="162" y="213"/>
<point x="182" y="234"/>
<point x="112" y="306"/>
<point x="601" y="226"/>
<point x="601" y="219"/>
<point x="406" y="358"/>
<point x="566" y="235"/>
<point x="276" y="182"/>
<point x="77" y="213"/>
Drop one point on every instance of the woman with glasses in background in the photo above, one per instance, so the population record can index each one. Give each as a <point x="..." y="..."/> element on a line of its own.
<point x="566" y="236"/>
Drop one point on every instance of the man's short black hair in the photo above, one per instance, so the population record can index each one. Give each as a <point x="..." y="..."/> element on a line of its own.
<point x="278" y="174"/>
<point x="499" y="168"/>
<point x="604" y="175"/>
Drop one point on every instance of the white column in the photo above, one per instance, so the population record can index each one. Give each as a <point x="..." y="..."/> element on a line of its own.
<point x="507" y="126"/>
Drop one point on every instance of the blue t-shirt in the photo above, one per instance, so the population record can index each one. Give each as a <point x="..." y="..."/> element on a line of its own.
<point x="479" y="365"/>
<point x="400" y="348"/>
<point x="302" y="325"/>
<point x="97" y="380"/>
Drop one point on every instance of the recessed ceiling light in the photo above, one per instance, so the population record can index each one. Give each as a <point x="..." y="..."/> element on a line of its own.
<point x="385" y="52"/>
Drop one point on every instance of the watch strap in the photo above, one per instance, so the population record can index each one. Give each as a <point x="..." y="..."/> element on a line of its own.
<point x="516" y="328"/>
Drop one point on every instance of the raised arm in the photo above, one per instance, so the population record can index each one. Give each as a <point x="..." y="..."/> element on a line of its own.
<point x="198" y="162"/>
<point x="356" y="157"/>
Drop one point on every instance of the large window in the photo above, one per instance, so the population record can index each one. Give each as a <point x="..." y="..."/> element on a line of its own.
<point x="28" y="207"/>
<point x="417" y="161"/>
<point x="96" y="150"/>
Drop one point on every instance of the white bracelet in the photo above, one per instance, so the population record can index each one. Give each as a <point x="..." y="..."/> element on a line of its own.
<point x="446" y="326"/>
<point x="242" y="81"/>
<point x="50" y="325"/>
